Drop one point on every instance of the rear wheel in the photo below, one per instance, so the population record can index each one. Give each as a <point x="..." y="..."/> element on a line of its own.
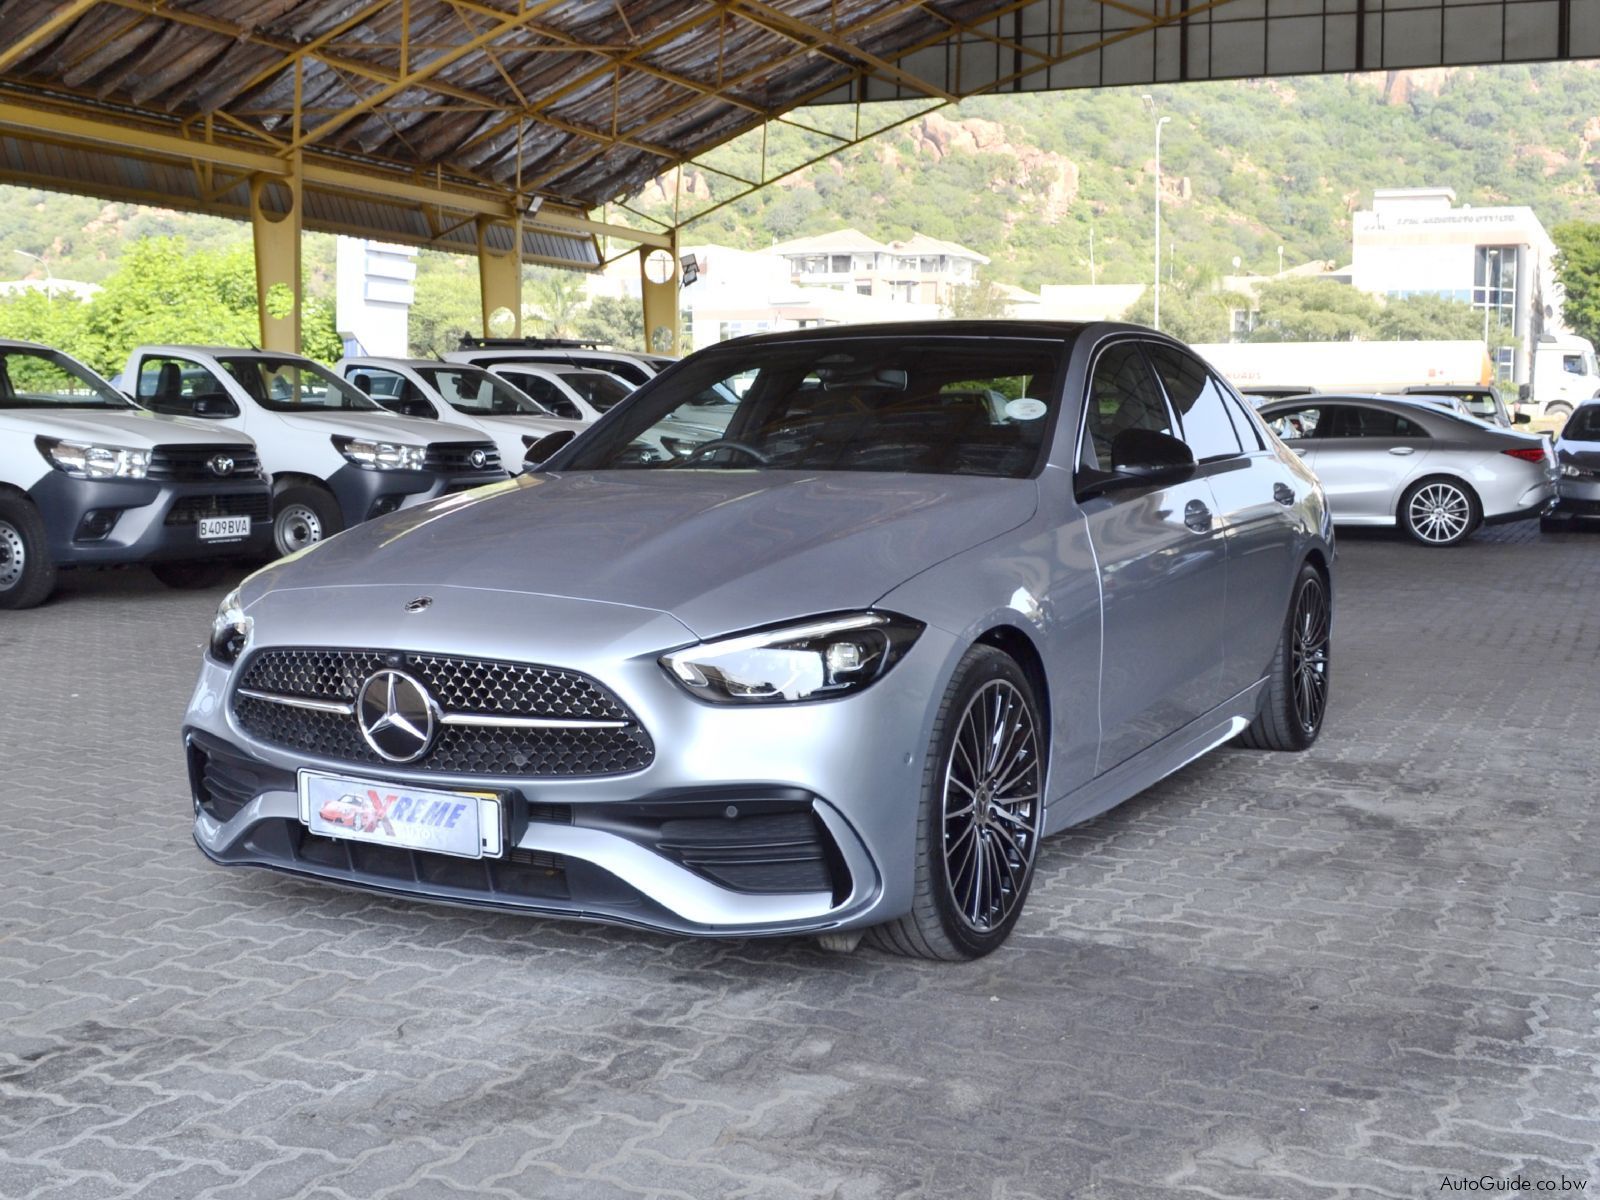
<point x="1297" y="683"/>
<point x="302" y="516"/>
<point x="1439" y="511"/>
<point x="1559" y="410"/>
<point x="981" y="815"/>
<point x="27" y="573"/>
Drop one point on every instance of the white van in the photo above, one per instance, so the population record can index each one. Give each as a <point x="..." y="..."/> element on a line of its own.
<point x="465" y="395"/>
<point x="87" y="479"/>
<point x="334" y="456"/>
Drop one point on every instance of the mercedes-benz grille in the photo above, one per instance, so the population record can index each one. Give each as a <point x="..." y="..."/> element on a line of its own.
<point x="493" y="718"/>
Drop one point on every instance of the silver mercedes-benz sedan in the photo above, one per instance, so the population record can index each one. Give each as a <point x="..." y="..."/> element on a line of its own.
<point x="935" y="592"/>
<point x="1438" y="475"/>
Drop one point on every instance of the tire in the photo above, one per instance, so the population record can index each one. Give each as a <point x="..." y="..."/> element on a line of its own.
<point x="190" y="576"/>
<point x="27" y="572"/>
<point x="1439" y="511"/>
<point x="1297" y="682"/>
<point x="992" y="878"/>
<point x="1560" y="410"/>
<point x="302" y="516"/>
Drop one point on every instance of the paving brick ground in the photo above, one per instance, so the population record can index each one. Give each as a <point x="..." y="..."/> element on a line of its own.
<point x="1349" y="974"/>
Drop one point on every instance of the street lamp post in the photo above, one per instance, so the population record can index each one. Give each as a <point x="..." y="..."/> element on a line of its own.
<point x="1150" y="106"/>
<point x="49" y="275"/>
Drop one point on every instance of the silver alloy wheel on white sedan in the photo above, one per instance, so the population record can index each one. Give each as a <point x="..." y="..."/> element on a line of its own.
<point x="991" y="805"/>
<point x="1439" y="513"/>
<point x="13" y="556"/>
<point x="295" y="527"/>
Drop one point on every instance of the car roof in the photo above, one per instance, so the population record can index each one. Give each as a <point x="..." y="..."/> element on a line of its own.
<point x="1010" y="327"/>
<point x="178" y="351"/>
<point x="19" y="344"/>
<point x="380" y="360"/>
<point x="1445" y="389"/>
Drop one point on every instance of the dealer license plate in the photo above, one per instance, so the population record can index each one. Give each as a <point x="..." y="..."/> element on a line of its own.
<point x="223" y="529"/>
<point x="467" y="824"/>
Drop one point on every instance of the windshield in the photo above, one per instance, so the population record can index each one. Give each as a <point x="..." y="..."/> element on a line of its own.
<point x="600" y="390"/>
<point x="1583" y="425"/>
<point x="473" y="390"/>
<point x="944" y="407"/>
<point x="49" y="379"/>
<point x="295" y="385"/>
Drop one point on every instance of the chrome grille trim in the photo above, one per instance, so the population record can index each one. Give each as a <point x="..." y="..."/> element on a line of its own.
<point x="496" y="721"/>
<point x="327" y="706"/>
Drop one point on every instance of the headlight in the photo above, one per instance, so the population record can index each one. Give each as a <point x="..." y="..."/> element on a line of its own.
<point x="86" y="461"/>
<point x="817" y="660"/>
<point x="1571" y="471"/>
<point x="230" y="629"/>
<point x="381" y="456"/>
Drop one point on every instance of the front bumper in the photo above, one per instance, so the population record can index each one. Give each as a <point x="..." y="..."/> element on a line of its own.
<point x="780" y="820"/>
<point x="106" y="522"/>
<point x="363" y="494"/>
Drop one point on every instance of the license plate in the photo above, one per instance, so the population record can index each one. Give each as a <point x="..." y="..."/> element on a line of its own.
<point x="466" y="824"/>
<point x="223" y="529"/>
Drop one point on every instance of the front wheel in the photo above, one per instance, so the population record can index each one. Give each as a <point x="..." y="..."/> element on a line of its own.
<point x="1297" y="682"/>
<point x="981" y="814"/>
<point x="1558" y="410"/>
<point x="302" y="516"/>
<point x="27" y="572"/>
<point x="1439" y="511"/>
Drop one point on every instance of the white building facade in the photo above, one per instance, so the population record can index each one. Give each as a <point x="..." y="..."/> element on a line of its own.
<point x="1415" y="241"/>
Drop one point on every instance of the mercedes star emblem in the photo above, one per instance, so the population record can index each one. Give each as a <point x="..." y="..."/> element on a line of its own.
<point x="397" y="716"/>
<point x="221" y="464"/>
<point x="420" y="604"/>
<point x="479" y="459"/>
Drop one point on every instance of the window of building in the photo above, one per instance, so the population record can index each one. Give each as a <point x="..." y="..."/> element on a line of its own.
<point x="1494" y="283"/>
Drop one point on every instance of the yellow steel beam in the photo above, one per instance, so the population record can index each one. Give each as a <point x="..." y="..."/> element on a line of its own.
<point x="19" y="48"/>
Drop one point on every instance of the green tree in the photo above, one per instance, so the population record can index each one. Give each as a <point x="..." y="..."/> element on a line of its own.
<point x="1578" y="268"/>
<point x="1314" y="310"/>
<point x="1194" y="308"/>
<point x="554" y="297"/>
<point x="446" y="304"/>
<point x="1436" y="318"/>
<point x="980" y="300"/>
<point x="612" y="322"/>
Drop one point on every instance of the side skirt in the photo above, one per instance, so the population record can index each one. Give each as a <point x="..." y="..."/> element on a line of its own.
<point x="1150" y="766"/>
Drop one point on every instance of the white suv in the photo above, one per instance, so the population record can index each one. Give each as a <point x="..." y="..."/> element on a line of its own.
<point x="87" y="479"/>
<point x="334" y="456"/>
<point x="633" y="369"/>
<point x="470" y="396"/>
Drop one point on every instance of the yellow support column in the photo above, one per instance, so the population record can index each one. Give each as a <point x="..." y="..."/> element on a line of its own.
<point x="275" y="222"/>
<point x="659" y="279"/>
<point x="500" y="277"/>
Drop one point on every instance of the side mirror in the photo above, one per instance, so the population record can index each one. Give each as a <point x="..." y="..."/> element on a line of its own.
<point x="545" y="447"/>
<point x="1522" y="418"/>
<point x="1143" y="458"/>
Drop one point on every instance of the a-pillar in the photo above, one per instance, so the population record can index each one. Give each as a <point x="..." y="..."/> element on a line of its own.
<point x="659" y="278"/>
<point x="275" y="223"/>
<point x="500" y="276"/>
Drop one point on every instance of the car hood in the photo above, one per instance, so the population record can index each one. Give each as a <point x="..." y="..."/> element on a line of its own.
<point x="121" y="427"/>
<point x="719" y="550"/>
<point x="416" y="431"/>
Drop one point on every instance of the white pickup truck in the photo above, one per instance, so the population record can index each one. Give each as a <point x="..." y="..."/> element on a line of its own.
<point x="334" y="456"/>
<point x="87" y="479"/>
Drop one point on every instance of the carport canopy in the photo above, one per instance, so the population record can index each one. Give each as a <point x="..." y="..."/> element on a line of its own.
<point x="499" y="127"/>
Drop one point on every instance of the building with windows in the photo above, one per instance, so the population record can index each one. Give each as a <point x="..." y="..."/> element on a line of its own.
<point x="1499" y="260"/>
<point x="919" y="270"/>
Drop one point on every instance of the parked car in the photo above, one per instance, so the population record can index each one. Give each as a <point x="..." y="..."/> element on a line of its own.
<point x="840" y="668"/>
<point x="469" y="396"/>
<point x="1482" y="400"/>
<point x="334" y="456"/>
<point x="580" y="394"/>
<point x="1388" y="460"/>
<point x="629" y="366"/>
<point x="1265" y="393"/>
<point x="1577" y="453"/>
<point x="87" y="479"/>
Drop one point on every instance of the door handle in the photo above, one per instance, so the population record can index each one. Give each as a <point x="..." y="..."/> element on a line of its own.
<point x="1283" y="494"/>
<point x="1401" y="450"/>
<point x="1197" y="516"/>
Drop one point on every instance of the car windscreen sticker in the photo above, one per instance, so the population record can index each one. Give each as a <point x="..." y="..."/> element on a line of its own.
<point x="1025" y="408"/>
